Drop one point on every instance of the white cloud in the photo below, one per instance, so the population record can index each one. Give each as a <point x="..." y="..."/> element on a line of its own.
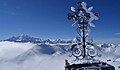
<point x="11" y="49"/>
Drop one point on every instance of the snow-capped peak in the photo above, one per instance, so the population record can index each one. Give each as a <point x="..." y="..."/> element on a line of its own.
<point x="23" y="38"/>
<point x="59" y="41"/>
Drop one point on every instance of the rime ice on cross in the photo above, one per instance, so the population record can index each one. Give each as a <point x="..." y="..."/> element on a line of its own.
<point x="83" y="16"/>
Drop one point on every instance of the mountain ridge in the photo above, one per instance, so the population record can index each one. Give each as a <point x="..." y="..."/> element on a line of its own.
<point x="28" y="38"/>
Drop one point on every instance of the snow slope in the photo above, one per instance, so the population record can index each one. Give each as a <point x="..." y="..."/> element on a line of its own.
<point x="29" y="56"/>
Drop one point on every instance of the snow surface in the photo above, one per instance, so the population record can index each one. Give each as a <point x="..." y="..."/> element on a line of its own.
<point x="29" y="56"/>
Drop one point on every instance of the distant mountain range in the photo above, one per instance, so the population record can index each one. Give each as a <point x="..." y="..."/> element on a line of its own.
<point x="27" y="38"/>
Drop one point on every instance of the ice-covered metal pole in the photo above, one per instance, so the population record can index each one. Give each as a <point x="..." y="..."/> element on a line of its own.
<point x="83" y="38"/>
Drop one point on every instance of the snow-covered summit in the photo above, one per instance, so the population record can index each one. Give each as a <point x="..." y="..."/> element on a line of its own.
<point x="59" y="41"/>
<point x="23" y="38"/>
<point x="76" y="40"/>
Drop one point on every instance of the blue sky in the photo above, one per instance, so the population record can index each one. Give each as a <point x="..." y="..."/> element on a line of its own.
<point x="48" y="18"/>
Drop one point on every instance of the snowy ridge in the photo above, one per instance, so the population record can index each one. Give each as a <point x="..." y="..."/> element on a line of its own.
<point x="40" y="50"/>
<point x="26" y="38"/>
<point x="23" y="38"/>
